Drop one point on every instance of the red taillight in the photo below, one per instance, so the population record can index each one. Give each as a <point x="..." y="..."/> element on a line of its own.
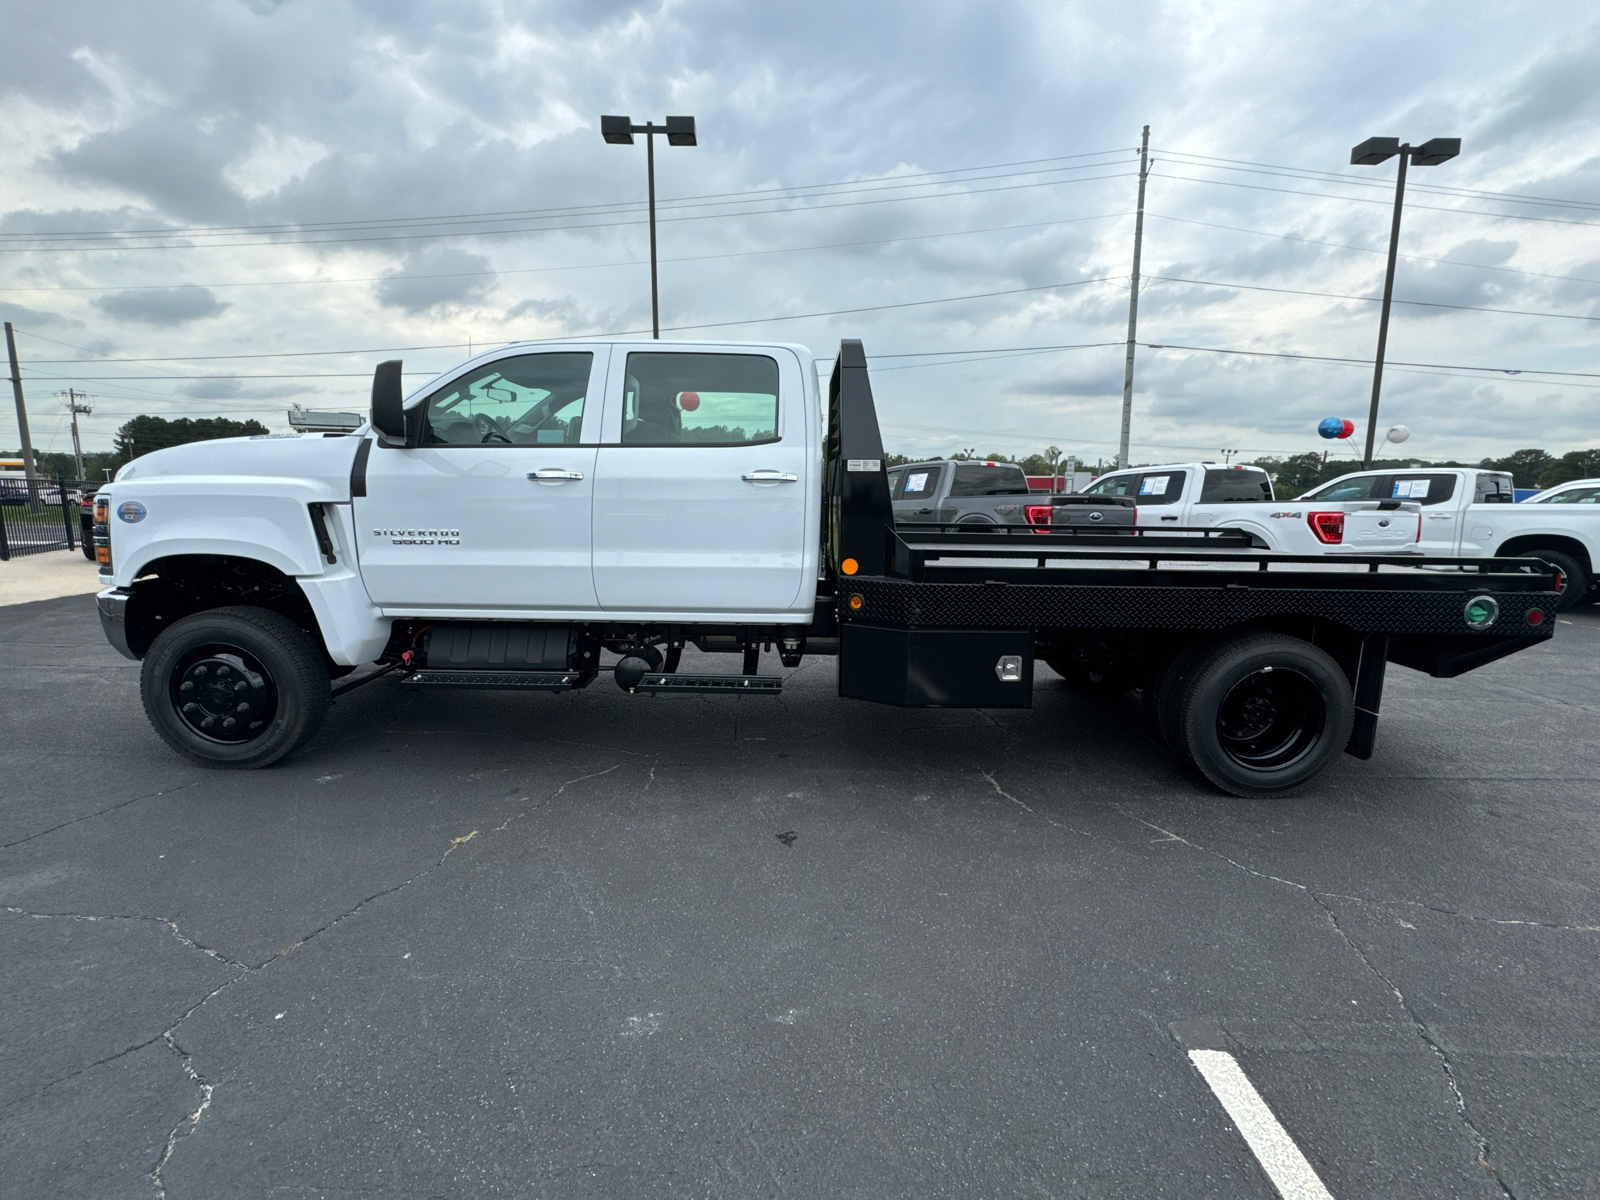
<point x="1328" y="526"/>
<point x="1036" y="514"/>
<point x="1535" y="617"/>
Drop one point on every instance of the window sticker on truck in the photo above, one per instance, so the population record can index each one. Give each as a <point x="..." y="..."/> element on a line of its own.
<point x="1154" y="485"/>
<point x="915" y="483"/>
<point x="1411" y="489"/>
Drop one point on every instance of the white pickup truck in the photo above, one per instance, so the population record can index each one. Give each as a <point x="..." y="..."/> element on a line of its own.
<point x="547" y="504"/>
<point x="1209" y="496"/>
<point x="1470" y="512"/>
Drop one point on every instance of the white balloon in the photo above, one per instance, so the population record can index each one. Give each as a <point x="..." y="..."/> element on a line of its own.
<point x="1398" y="434"/>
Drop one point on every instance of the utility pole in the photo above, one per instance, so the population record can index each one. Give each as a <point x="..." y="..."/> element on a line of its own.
<point x="72" y="396"/>
<point x="1133" y="301"/>
<point x="22" y="418"/>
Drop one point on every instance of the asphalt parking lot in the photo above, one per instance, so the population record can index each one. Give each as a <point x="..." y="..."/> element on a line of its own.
<point x="598" y="945"/>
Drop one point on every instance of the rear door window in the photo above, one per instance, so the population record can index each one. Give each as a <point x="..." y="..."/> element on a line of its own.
<point x="700" y="399"/>
<point x="1422" y="489"/>
<point x="895" y="477"/>
<point x="1231" y="485"/>
<point x="1159" y="487"/>
<point x="982" y="479"/>
<point x="921" y="483"/>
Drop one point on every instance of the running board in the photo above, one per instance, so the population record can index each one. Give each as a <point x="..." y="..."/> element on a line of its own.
<point x="683" y="685"/>
<point x="527" y="681"/>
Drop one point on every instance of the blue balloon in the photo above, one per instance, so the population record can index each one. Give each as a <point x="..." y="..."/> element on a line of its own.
<point x="1331" y="427"/>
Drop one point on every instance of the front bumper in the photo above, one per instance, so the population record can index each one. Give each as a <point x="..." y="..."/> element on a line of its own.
<point x="113" y="605"/>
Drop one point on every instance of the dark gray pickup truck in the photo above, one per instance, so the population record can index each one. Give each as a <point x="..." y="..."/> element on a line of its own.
<point x="957" y="492"/>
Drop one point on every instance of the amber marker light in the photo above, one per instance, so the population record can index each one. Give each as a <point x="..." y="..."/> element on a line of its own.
<point x="849" y="566"/>
<point x="856" y="602"/>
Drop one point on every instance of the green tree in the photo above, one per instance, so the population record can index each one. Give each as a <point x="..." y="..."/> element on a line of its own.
<point x="1575" y="464"/>
<point x="1526" y="466"/>
<point x="144" y="434"/>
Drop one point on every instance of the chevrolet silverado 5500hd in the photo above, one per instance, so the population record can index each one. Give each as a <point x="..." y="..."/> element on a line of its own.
<point x="547" y="503"/>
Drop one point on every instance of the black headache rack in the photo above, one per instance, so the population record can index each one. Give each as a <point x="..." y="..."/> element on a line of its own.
<point x="930" y="614"/>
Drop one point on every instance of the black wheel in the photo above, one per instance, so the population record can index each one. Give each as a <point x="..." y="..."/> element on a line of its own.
<point x="235" y="687"/>
<point x="1161" y="693"/>
<point x="1572" y="585"/>
<point x="1263" y="714"/>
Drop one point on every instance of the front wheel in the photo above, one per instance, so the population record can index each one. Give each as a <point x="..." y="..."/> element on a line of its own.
<point x="1264" y="714"/>
<point x="235" y="687"/>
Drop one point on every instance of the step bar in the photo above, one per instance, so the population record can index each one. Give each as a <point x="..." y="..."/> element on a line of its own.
<point x="685" y="685"/>
<point x="526" y="681"/>
<point x="656" y="684"/>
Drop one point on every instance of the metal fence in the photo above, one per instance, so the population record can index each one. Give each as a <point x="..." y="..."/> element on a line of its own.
<point x="43" y="515"/>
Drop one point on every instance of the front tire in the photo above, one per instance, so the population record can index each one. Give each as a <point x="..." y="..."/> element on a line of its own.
<point x="1264" y="714"/>
<point x="235" y="688"/>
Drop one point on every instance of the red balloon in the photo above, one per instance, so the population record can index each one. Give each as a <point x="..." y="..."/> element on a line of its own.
<point x="1349" y="428"/>
<point x="689" y="401"/>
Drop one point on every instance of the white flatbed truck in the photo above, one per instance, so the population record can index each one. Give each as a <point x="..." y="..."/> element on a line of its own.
<point x="549" y="503"/>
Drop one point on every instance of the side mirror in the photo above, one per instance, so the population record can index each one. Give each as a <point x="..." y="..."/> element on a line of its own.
<point x="388" y="408"/>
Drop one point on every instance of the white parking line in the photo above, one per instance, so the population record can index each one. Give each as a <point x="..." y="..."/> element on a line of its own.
<point x="1280" y="1158"/>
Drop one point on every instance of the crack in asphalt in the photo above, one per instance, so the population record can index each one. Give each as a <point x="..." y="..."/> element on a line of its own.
<point x="1484" y="1161"/>
<point x="101" y="813"/>
<point x="169" y="1035"/>
<point x="1421" y="1029"/>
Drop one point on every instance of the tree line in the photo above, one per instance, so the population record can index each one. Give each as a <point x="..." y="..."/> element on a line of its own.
<point x="140" y="436"/>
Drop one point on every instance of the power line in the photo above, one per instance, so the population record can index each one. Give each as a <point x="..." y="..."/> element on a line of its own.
<point x="1471" y="212"/>
<point x="1362" y="181"/>
<point x="1290" y="237"/>
<point x="913" y="237"/>
<point x="347" y="241"/>
<point x="630" y="205"/>
<point x="1255" y="287"/>
<point x="1367" y="362"/>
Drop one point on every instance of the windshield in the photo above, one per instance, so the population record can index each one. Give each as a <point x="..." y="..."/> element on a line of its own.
<point x="1577" y="495"/>
<point x="1360" y="487"/>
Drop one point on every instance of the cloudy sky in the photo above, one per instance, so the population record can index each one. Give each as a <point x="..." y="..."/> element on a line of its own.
<point x="259" y="200"/>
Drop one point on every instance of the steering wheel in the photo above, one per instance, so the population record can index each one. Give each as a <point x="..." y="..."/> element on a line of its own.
<point x="487" y="427"/>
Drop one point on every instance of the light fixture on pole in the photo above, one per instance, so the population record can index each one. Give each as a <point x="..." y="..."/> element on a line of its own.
<point x="619" y="131"/>
<point x="1369" y="153"/>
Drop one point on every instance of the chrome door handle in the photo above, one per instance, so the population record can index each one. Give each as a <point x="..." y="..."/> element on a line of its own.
<point x="767" y="475"/>
<point x="554" y="475"/>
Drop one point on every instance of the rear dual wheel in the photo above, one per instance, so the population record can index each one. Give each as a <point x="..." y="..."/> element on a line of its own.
<point x="1257" y="715"/>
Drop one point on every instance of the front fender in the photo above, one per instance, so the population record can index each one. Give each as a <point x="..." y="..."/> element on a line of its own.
<point x="261" y="518"/>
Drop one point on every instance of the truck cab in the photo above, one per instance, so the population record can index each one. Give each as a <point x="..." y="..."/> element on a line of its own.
<point x="958" y="492"/>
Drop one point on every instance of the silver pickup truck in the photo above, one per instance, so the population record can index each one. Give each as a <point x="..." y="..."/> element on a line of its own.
<point x="958" y="492"/>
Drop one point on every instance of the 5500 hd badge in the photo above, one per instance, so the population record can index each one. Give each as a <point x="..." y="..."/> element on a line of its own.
<point x="420" y="537"/>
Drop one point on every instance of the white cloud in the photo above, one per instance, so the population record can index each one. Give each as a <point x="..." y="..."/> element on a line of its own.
<point x="275" y="161"/>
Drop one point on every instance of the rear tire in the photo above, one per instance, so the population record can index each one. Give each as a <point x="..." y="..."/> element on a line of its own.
<point x="1264" y="714"/>
<point x="1576" y="581"/>
<point x="235" y="688"/>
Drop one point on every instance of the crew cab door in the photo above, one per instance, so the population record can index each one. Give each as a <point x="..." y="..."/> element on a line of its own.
<point x="491" y="510"/>
<point x="701" y="482"/>
<point x="917" y="499"/>
<point x="1442" y="507"/>
<point x="1157" y="493"/>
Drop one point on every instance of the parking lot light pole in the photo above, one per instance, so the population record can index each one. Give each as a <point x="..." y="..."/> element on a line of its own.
<point x="1369" y="153"/>
<point x="619" y="131"/>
